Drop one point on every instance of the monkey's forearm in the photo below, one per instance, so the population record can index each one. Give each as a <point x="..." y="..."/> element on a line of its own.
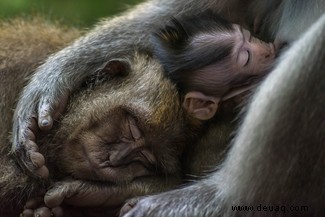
<point x="91" y="194"/>
<point x="46" y="95"/>
<point x="112" y="38"/>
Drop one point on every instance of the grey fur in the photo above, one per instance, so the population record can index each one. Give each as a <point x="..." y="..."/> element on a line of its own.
<point x="278" y="157"/>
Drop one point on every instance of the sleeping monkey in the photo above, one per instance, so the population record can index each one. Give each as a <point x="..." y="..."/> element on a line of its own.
<point x="211" y="60"/>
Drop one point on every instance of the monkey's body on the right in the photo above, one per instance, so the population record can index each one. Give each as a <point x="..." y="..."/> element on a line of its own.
<point x="277" y="157"/>
<point x="276" y="165"/>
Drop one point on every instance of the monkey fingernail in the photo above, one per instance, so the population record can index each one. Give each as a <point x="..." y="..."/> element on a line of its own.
<point x="45" y="123"/>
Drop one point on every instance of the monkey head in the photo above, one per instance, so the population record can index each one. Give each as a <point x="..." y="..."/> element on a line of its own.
<point x="126" y="125"/>
<point x="211" y="60"/>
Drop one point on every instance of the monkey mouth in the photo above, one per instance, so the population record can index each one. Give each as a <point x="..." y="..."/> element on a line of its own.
<point x="245" y="87"/>
<point x="125" y="169"/>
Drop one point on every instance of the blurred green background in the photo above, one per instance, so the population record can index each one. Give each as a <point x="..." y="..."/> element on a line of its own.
<point x="82" y="13"/>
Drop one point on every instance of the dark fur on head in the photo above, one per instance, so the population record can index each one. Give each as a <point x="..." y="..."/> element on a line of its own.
<point x="174" y="47"/>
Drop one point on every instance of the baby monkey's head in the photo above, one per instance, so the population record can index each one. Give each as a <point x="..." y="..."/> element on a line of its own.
<point x="210" y="60"/>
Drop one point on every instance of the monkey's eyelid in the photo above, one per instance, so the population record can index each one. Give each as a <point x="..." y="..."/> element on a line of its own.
<point x="249" y="57"/>
<point x="243" y="57"/>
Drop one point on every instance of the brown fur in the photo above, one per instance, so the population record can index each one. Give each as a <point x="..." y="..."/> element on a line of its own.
<point x="142" y="91"/>
<point x="23" y="45"/>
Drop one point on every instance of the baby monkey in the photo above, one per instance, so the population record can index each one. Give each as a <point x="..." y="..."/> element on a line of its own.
<point x="211" y="60"/>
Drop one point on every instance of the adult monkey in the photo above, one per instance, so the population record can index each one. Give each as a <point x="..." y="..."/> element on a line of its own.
<point x="101" y="147"/>
<point x="62" y="73"/>
<point x="277" y="162"/>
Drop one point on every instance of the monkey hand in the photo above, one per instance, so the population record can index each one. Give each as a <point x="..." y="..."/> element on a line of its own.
<point x="36" y="207"/>
<point x="178" y="203"/>
<point x="34" y="113"/>
<point x="85" y="194"/>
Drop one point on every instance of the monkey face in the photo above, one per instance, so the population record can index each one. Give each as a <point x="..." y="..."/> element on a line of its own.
<point x="249" y="61"/>
<point x="124" y="128"/>
<point x="251" y="55"/>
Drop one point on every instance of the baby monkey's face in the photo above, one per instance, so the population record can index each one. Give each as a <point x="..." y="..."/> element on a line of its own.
<point x="230" y="77"/>
<point x="251" y="55"/>
<point x="248" y="61"/>
<point x="251" y="59"/>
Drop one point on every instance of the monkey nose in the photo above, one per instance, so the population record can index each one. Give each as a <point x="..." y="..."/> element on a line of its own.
<point x="270" y="51"/>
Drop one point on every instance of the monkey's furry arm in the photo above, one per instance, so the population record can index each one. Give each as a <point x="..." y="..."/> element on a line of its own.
<point x="87" y="194"/>
<point x="47" y="93"/>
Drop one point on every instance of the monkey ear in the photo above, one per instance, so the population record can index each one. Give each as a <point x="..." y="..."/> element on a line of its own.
<point x="118" y="67"/>
<point x="200" y="106"/>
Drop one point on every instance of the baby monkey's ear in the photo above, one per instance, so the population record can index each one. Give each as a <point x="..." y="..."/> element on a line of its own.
<point x="201" y="106"/>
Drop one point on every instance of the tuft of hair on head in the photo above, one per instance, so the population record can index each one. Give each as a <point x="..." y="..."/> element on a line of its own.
<point x="172" y="36"/>
<point x="178" y="31"/>
<point x="172" y="44"/>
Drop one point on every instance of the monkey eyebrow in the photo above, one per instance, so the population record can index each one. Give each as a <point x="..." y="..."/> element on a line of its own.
<point x="243" y="41"/>
<point x="242" y="34"/>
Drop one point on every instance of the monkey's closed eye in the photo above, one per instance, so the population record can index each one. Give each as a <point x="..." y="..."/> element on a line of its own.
<point x="244" y="57"/>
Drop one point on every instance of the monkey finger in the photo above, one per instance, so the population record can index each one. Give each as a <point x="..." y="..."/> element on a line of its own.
<point x="34" y="203"/>
<point x="24" y="147"/>
<point x="42" y="172"/>
<point x="57" y="212"/>
<point x="32" y="129"/>
<point x="37" y="159"/>
<point x="45" y="110"/>
<point x="43" y="212"/>
<point x="55" y="196"/>
<point x="27" y="213"/>
<point x="53" y="200"/>
<point x="31" y="146"/>
<point x="50" y="109"/>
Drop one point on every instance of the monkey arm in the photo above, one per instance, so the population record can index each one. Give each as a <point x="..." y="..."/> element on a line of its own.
<point x="47" y="93"/>
<point x="83" y="194"/>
